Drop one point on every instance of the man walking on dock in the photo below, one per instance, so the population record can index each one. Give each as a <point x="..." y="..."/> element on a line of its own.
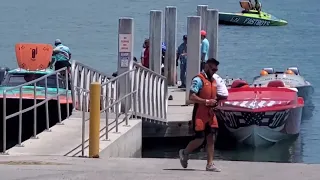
<point x="206" y="90"/>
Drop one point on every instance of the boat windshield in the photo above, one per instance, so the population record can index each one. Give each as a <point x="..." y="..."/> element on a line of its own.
<point x="15" y="79"/>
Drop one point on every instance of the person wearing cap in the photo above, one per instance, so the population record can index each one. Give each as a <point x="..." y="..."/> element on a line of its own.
<point x="182" y="55"/>
<point x="204" y="48"/>
<point x="61" y="55"/>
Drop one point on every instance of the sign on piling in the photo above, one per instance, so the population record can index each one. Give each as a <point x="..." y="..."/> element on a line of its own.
<point x="125" y="56"/>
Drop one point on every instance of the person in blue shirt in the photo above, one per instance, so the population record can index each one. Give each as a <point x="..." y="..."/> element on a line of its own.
<point x="182" y="55"/>
<point x="61" y="55"/>
<point x="163" y="54"/>
<point x="204" y="49"/>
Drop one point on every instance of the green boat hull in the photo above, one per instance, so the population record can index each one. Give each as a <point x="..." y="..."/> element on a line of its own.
<point x="251" y="18"/>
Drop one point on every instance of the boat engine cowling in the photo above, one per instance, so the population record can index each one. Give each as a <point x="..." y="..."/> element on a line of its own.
<point x="3" y="73"/>
<point x="239" y="83"/>
<point x="276" y="83"/>
<point x="269" y="70"/>
<point x="295" y="70"/>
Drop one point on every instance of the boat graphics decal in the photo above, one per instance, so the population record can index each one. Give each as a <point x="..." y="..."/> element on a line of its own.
<point x="256" y="22"/>
<point x="237" y="120"/>
<point x="255" y="104"/>
<point x="292" y="80"/>
<point x="235" y="19"/>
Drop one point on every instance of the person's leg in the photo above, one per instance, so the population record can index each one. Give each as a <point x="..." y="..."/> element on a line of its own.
<point x="185" y="74"/>
<point x="211" y="135"/>
<point x="58" y="65"/>
<point x="194" y="144"/>
<point x="181" y="77"/>
<point x="184" y="153"/>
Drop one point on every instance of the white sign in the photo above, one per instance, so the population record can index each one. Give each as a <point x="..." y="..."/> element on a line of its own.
<point x="124" y="59"/>
<point x="125" y="41"/>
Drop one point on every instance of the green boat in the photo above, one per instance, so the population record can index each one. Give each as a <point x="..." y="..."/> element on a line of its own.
<point x="250" y="17"/>
<point x="17" y="86"/>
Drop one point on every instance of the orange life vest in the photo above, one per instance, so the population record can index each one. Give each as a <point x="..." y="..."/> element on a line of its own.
<point x="202" y="114"/>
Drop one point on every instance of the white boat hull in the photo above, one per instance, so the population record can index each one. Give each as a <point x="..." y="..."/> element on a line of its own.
<point x="257" y="136"/>
<point x="263" y="128"/>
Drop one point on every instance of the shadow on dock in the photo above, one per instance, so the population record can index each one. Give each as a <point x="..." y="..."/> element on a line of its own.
<point x="28" y="120"/>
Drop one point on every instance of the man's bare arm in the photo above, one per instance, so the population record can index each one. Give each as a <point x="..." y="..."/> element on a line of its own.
<point x="196" y="99"/>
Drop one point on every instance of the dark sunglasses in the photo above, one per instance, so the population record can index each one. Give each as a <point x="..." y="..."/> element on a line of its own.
<point x="213" y="68"/>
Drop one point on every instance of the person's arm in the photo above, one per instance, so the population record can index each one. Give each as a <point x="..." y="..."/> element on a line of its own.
<point x="142" y="55"/>
<point x="196" y="85"/>
<point x="222" y="90"/>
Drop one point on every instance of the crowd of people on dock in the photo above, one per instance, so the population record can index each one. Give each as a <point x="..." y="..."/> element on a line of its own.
<point x="206" y="90"/>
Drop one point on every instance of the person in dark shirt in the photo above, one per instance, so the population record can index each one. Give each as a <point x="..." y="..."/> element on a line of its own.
<point x="145" y="61"/>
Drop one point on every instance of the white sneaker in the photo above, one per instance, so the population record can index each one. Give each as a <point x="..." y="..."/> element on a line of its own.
<point x="212" y="167"/>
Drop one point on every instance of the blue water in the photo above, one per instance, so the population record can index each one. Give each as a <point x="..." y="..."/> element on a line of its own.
<point x="89" y="28"/>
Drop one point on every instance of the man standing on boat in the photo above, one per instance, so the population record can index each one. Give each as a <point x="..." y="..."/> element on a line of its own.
<point x="204" y="48"/>
<point x="61" y="55"/>
<point x="256" y="5"/>
<point x="182" y="55"/>
<point x="206" y="90"/>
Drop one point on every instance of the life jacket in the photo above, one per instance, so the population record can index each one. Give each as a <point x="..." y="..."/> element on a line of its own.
<point x="146" y="58"/>
<point x="202" y="114"/>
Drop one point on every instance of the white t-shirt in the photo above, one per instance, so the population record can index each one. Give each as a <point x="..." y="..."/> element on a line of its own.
<point x="222" y="89"/>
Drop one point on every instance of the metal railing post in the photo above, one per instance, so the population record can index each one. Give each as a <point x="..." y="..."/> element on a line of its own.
<point x="4" y="123"/>
<point x="107" y="111"/>
<point x="127" y="98"/>
<point x="20" y="119"/>
<point x="83" y="124"/>
<point x="47" y="105"/>
<point x="58" y="100"/>
<point x="117" y="116"/>
<point x="67" y="91"/>
<point x="35" y="111"/>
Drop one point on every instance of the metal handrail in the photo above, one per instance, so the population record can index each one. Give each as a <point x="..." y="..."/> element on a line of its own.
<point x="153" y="93"/>
<point x="148" y="70"/>
<point x="128" y="97"/>
<point x="35" y="105"/>
<point x="82" y="76"/>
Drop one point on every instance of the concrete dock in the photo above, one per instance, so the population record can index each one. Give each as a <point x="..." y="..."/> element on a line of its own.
<point x="52" y="167"/>
<point x="66" y="139"/>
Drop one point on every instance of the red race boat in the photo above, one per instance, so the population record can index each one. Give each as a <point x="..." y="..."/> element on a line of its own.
<point x="259" y="116"/>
